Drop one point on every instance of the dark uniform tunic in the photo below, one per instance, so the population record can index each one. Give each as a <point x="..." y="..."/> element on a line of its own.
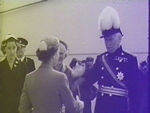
<point x="11" y="83"/>
<point x="29" y="64"/>
<point x="113" y="97"/>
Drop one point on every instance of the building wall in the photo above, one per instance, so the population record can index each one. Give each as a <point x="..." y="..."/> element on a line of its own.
<point x="0" y="31"/>
<point x="75" y="22"/>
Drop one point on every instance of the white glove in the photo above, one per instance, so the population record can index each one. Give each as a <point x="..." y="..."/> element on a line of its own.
<point x="80" y="104"/>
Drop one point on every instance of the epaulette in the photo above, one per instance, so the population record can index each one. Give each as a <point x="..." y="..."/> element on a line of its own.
<point x="131" y="54"/>
<point x="102" y="54"/>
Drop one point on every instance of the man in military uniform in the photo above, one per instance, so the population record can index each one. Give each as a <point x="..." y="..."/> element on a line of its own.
<point x="28" y="62"/>
<point x="115" y="70"/>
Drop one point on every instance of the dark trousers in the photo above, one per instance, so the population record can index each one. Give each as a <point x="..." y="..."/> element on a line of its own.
<point x="111" y="104"/>
<point x="87" y="106"/>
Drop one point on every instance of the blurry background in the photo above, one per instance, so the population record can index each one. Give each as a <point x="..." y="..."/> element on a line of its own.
<point x="75" y="22"/>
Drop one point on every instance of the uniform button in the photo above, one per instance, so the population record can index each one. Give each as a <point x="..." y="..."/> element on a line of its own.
<point x="122" y="53"/>
<point x="117" y="68"/>
<point x="102" y="77"/>
<point x="102" y="68"/>
<point x="110" y="94"/>
<point x="106" y="54"/>
<point x="102" y="85"/>
<point x="16" y="62"/>
<point x="112" y="86"/>
<point x="120" y="60"/>
<point x="15" y="65"/>
<point x="102" y="94"/>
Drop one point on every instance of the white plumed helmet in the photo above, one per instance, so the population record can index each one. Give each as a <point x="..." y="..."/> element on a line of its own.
<point x="109" y="21"/>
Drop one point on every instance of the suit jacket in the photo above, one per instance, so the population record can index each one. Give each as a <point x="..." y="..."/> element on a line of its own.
<point x="11" y="83"/>
<point x="68" y="72"/>
<point x="29" y="64"/>
<point x="45" y="91"/>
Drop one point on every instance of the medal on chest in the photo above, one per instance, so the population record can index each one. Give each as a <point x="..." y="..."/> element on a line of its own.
<point x="121" y="59"/>
<point x="120" y="76"/>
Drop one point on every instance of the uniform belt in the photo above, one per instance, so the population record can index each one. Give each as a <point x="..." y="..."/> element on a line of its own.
<point x="113" y="91"/>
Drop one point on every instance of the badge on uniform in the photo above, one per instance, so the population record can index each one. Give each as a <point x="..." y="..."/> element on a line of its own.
<point x="121" y="59"/>
<point x="120" y="76"/>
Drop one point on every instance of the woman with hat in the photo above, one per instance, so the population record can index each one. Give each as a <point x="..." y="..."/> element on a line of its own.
<point x="11" y="77"/>
<point x="46" y="90"/>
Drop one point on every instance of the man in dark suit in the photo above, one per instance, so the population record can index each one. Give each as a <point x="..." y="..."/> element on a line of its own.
<point x="116" y="71"/>
<point x="62" y="67"/>
<point x="28" y="62"/>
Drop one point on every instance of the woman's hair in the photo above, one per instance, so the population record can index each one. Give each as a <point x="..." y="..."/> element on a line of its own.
<point x="45" y="56"/>
<point x="63" y="43"/>
<point x="4" y="43"/>
<point x="47" y="49"/>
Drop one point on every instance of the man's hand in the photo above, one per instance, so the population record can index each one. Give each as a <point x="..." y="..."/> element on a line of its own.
<point x="80" y="104"/>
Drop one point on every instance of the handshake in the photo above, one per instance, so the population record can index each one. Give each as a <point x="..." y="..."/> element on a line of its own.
<point x="80" y="105"/>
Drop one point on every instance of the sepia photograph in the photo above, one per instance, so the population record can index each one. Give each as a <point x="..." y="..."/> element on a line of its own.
<point x="74" y="56"/>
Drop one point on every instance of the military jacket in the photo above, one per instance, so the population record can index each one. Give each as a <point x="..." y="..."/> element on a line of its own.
<point x="125" y="68"/>
<point x="29" y="64"/>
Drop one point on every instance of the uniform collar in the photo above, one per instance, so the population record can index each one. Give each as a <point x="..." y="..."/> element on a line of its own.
<point x="21" y="59"/>
<point x="46" y="65"/>
<point x="15" y="63"/>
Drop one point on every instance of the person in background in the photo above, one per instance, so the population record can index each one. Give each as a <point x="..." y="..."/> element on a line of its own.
<point x="73" y="62"/>
<point x="78" y="68"/>
<point x="115" y="70"/>
<point x="71" y="74"/>
<point x="62" y="67"/>
<point x="28" y="62"/>
<point x="89" y="63"/>
<point x="12" y="76"/>
<point x="87" y="95"/>
<point x="45" y="90"/>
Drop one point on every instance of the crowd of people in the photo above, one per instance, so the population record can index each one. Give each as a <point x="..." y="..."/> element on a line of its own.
<point x="55" y="87"/>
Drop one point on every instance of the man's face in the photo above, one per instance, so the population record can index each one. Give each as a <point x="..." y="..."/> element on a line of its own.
<point x="89" y="64"/>
<point x="21" y="52"/>
<point x="112" y="42"/>
<point x="62" y="53"/>
<point x="56" y="58"/>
